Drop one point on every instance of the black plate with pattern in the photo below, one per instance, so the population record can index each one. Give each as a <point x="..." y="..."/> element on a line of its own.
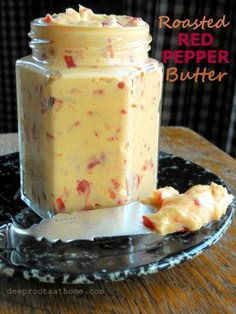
<point x="113" y="259"/>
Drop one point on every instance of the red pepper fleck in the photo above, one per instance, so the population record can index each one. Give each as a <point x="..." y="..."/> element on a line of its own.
<point x="77" y="123"/>
<point x="98" y="92"/>
<point x="138" y="180"/>
<point x="60" y="204"/>
<point x="69" y="62"/>
<point x="96" y="133"/>
<point x="148" y="223"/>
<point x="123" y="111"/>
<point x="83" y="187"/>
<point x="112" y="194"/>
<point x="57" y="104"/>
<point x="51" y="51"/>
<point x="115" y="183"/>
<point x="151" y="163"/>
<point x="49" y="136"/>
<point x="105" y="23"/>
<point x="112" y="138"/>
<point x="59" y="155"/>
<point x="196" y="202"/>
<point x="110" y="49"/>
<point x="88" y="207"/>
<point x="93" y="163"/>
<point x="176" y="220"/>
<point x="144" y="168"/>
<point x="159" y="199"/>
<point x="90" y="113"/>
<point x="48" y="18"/>
<point x="184" y="229"/>
<point x="121" y="85"/>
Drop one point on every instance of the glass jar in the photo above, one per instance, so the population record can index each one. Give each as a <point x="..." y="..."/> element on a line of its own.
<point x="89" y="102"/>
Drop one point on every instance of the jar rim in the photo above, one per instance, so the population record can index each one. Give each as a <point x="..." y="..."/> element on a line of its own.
<point x="39" y="22"/>
<point x="115" y="45"/>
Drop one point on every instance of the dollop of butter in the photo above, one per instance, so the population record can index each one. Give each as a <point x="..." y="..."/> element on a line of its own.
<point x="85" y="17"/>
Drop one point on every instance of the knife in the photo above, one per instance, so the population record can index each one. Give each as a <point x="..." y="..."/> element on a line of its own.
<point x="90" y="225"/>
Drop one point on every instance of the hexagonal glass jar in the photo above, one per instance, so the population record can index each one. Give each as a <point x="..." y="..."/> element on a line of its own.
<point x="89" y="102"/>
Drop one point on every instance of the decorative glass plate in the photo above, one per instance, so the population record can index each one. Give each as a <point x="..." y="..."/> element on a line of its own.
<point x="81" y="262"/>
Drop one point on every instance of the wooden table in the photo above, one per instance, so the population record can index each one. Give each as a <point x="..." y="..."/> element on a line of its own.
<point x="205" y="284"/>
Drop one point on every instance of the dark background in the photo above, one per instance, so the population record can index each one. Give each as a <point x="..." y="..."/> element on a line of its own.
<point x="208" y="108"/>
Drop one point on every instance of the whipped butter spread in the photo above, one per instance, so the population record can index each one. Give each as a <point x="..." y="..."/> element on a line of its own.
<point x="86" y="17"/>
<point x="89" y="112"/>
<point x="189" y="211"/>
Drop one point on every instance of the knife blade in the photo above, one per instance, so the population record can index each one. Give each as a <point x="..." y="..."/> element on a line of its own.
<point x="94" y="224"/>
